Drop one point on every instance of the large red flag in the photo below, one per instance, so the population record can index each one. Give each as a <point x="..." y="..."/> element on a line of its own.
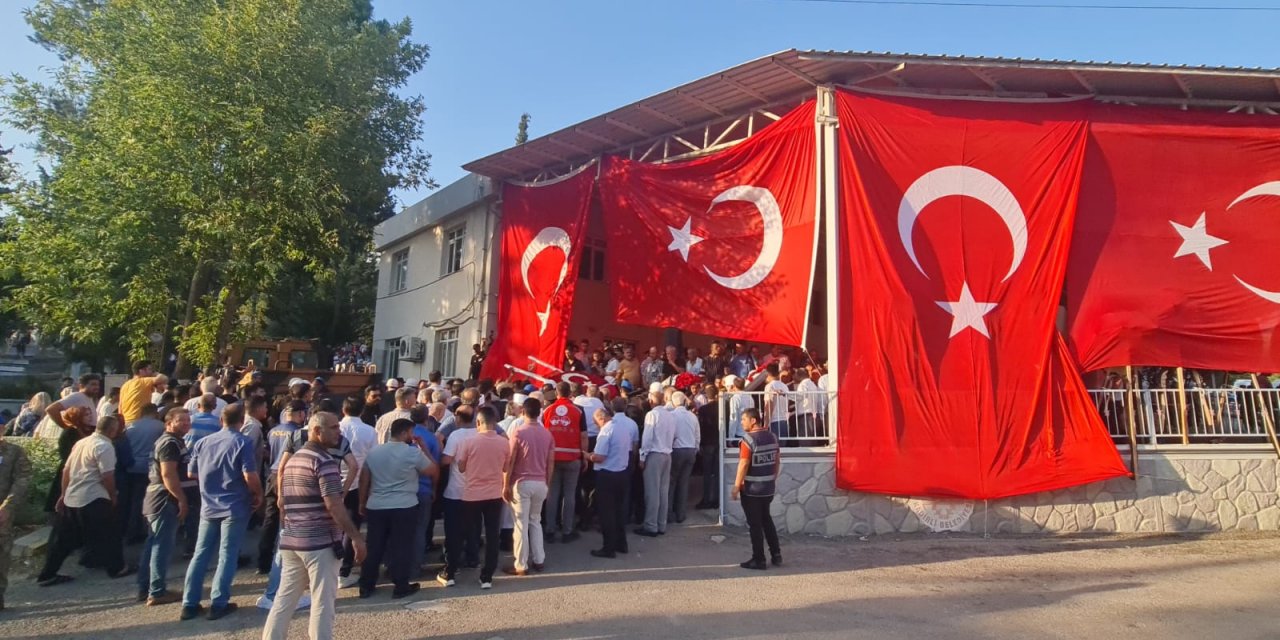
<point x="1169" y="264"/>
<point x="721" y="245"/>
<point x="957" y="217"/>
<point x="542" y="232"/>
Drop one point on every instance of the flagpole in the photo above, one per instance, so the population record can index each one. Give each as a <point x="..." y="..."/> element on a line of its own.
<point x="1182" y="408"/>
<point x="1130" y="399"/>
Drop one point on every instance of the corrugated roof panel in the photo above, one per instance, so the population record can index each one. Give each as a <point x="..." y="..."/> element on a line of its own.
<point x="788" y="75"/>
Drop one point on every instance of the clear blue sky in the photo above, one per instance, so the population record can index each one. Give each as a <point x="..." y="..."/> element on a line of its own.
<point x="564" y="62"/>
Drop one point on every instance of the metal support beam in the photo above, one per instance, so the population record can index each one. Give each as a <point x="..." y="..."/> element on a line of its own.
<point x="626" y="126"/>
<point x="986" y="79"/>
<point x="700" y="102"/>
<point x="1080" y="79"/>
<point x="1182" y="84"/>
<point x="570" y="145"/>
<point x="794" y="71"/>
<point x="661" y="116"/>
<point x="876" y="74"/>
<point x="597" y="137"/>
<point x="744" y="88"/>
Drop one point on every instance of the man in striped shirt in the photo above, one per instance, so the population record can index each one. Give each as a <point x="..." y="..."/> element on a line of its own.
<point x="313" y="521"/>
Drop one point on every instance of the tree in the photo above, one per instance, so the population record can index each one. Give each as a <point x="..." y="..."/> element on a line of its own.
<point x="522" y="129"/>
<point x="7" y="174"/>
<point x="201" y="153"/>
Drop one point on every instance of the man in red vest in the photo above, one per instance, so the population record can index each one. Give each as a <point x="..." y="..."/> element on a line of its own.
<point x="564" y="420"/>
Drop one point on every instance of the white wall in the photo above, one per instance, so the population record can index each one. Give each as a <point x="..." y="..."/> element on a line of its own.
<point x="442" y="301"/>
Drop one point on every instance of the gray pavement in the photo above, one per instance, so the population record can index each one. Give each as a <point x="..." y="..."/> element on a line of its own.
<point x="688" y="585"/>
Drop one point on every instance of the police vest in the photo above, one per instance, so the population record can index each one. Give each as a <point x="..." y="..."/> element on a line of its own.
<point x="761" y="478"/>
<point x="564" y="420"/>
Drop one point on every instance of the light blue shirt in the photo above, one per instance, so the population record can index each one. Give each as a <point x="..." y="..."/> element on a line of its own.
<point x="202" y="425"/>
<point x="614" y="443"/>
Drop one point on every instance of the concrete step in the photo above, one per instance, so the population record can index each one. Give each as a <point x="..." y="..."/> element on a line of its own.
<point x="33" y="543"/>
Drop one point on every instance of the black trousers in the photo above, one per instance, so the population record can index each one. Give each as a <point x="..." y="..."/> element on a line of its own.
<point x="480" y="515"/>
<point x="129" y="505"/>
<point x="612" y="488"/>
<point x="270" y="525"/>
<point x="760" y="525"/>
<point x="93" y="525"/>
<point x="352" y="503"/>
<point x="390" y="539"/>
<point x="457" y="534"/>
<point x="586" y="508"/>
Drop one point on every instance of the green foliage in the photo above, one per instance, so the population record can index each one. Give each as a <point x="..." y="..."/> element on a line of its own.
<point x="259" y="137"/>
<point x="44" y="466"/>
<point x="522" y="129"/>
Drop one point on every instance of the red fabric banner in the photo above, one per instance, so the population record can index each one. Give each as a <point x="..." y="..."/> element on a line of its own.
<point x="956" y="222"/>
<point x="721" y="245"/>
<point x="542" y="234"/>
<point x="1169" y="260"/>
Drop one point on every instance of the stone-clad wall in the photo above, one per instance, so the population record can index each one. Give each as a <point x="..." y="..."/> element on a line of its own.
<point x="1174" y="492"/>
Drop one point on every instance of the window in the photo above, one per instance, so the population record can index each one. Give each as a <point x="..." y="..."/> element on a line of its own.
<point x="453" y="241"/>
<point x="447" y="351"/>
<point x="391" y="358"/>
<point x="592" y="267"/>
<point x="399" y="270"/>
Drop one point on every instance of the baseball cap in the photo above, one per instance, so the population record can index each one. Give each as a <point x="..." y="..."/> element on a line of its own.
<point x="626" y="384"/>
<point x="393" y="384"/>
<point x="729" y="380"/>
<point x="293" y="381"/>
<point x="411" y="382"/>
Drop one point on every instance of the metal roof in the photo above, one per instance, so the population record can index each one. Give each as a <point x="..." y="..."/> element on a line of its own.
<point x="690" y="115"/>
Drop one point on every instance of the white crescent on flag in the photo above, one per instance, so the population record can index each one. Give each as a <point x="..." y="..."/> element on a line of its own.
<point x="547" y="238"/>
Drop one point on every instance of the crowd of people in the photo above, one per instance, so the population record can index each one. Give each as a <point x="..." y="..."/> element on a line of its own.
<point x="352" y="358"/>
<point x="342" y="488"/>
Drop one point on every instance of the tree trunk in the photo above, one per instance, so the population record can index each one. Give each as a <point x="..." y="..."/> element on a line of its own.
<point x="199" y="286"/>
<point x="338" y="287"/>
<point x="230" y="307"/>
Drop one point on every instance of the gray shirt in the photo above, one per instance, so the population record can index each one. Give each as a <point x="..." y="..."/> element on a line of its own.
<point x="393" y="468"/>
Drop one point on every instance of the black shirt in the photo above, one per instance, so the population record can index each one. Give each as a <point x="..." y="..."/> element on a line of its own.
<point x="169" y="448"/>
<point x="709" y="423"/>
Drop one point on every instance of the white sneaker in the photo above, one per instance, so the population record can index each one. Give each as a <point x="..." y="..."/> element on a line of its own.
<point x="486" y="585"/>
<point x="444" y="580"/>
<point x="348" y="582"/>
<point x="264" y="603"/>
<point x="304" y="602"/>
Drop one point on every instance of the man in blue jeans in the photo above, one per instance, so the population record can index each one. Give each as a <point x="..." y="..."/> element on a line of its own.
<point x="164" y="505"/>
<point x="230" y="490"/>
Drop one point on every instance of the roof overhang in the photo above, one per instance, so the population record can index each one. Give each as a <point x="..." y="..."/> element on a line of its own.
<point x="715" y="111"/>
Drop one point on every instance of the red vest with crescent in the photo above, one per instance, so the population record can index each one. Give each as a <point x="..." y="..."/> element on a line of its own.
<point x="564" y="420"/>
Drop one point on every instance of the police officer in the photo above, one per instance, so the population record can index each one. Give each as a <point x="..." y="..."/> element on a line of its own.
<point x="758" y="463"/>
<point x="15" y="476"/>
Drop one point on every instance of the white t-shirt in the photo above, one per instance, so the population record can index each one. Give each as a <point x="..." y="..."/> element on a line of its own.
<point x="193" y="406"/>
<point x="694" y="366"/>
<point x="808" y="396"/>
<point x="777" y="391"/>
<point x="362" y="438"/>
<point x="456" y="480"/>
<point x="79" y="399"/>
<point x="589" y="406"/>
<point x="90" y="459"/>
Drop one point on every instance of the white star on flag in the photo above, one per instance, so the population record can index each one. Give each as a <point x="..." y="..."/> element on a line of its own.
<point x="967" y="313"/>
<point x="683" y="239"/>
<point x="1196" y="239"/>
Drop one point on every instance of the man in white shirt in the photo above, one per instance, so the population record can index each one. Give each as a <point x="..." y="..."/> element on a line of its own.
<point x="808" y="395"/>
<point x="586" y="400"/>
<point x="655" y="460"/>
<point x="86" y="510"/>
<point x="456" y="535"/>
<point x="684" y="450"/>
<point x="692" y="363"/>
<point x="90" y="388"/>
<point x="775" y="401"/>
<point x="738" y="403"/>
<point x="208" y="385"/>
<point x="362" y="438"/>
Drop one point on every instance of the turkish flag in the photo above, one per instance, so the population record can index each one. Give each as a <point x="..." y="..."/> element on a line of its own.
<point x="721" y="245"/>
<point x="542" y="234"/>
<point x="1178" y="217"/>
<point x="955" y="229"/>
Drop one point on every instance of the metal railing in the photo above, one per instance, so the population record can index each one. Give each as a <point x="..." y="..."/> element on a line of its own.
<point x="1190" y="416"/>
<point x="800" y="418"/>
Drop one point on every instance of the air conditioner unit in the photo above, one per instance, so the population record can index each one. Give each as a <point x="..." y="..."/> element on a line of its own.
<point x="412" y="349"/>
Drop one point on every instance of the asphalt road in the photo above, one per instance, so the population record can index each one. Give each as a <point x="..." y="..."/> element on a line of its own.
<point x="688" y="585"/>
